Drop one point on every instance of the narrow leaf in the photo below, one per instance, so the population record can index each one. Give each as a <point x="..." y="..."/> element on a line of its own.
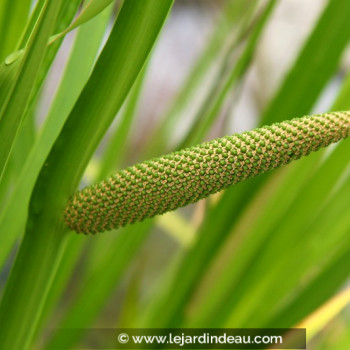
<point x="13" y="17"/>
<point x="90" y="10"/>
<point x="12" y="111"/>
<point x="42" y="247"/>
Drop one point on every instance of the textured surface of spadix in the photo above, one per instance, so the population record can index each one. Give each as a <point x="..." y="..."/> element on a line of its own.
<point x="175" y="180"/>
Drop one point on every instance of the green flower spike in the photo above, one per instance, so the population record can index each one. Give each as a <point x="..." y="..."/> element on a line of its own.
<point x="163" y="184"/>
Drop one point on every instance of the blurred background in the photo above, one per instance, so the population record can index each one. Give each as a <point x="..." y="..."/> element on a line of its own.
<point x="221" y="67"/>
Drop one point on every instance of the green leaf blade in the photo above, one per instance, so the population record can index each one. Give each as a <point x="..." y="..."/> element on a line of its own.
<point x="12" y="111"/>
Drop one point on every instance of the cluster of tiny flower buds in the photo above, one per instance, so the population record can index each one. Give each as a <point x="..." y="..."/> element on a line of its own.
<point x="175" y="180"/>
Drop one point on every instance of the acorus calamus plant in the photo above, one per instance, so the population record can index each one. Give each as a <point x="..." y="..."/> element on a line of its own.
<point x="269" y="252"/>
<point x="180" y="178"/>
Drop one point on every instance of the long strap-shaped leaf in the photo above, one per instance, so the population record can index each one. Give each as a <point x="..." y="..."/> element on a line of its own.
<point x="115" y="72"/>
<point x="13" y="16"/>
<point x="12" y="111"/>
<point x="184" y="177"/>
<point x="91" y="9"/>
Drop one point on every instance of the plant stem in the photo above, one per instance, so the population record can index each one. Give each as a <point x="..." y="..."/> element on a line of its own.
<point x="35" y="267"/>
<point x="115" y="72"/>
